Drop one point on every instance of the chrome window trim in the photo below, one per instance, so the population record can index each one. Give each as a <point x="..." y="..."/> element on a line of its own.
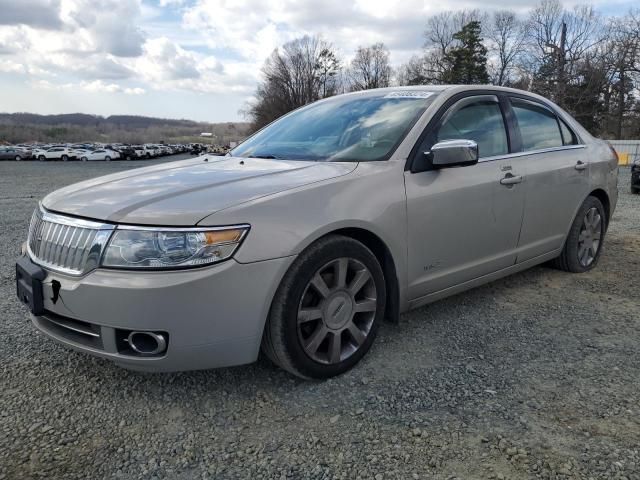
<point x="531" y="152"/>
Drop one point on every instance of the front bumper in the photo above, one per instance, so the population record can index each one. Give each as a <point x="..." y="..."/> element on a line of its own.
<point x="213" y="316"/>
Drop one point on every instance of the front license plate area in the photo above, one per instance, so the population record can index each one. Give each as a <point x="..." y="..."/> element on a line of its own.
<point x="29" y="277"/>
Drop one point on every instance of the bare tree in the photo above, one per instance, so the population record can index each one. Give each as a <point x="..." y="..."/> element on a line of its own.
<point x="561" y="40"/>
<point x="298" y="73"/>
<point x="507" y="36"/>
<point x="624" y="79"/>
<point x="370" y="68"/>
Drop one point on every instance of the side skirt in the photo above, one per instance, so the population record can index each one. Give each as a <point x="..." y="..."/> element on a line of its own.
<point x="476" y="282"/>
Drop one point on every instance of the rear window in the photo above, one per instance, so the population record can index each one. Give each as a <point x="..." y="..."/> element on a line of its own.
<point x="539" y="127"/>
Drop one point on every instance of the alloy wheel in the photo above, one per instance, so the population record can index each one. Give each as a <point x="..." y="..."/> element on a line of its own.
<point x="590" y="237"/>
<point x="337" y="310"/>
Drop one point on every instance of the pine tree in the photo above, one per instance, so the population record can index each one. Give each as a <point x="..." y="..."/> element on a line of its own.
<point x="468" y="60"/>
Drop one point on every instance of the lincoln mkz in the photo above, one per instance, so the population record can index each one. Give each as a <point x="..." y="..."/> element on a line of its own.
<point x="307" y="235"/>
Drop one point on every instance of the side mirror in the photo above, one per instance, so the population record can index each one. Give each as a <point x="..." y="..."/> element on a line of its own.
<point x="453" y="153"/>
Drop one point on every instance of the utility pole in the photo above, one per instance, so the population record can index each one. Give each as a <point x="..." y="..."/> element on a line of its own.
<point x="562" y="55"/>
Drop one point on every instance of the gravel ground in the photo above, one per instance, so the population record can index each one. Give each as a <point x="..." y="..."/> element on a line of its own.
<point x="533" y="376"/>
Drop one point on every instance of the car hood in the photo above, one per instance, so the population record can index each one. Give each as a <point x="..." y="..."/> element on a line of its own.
<point x="183" y="193"/>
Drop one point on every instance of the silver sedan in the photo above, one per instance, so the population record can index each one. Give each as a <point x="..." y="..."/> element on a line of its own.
<point x="311" y="232"/>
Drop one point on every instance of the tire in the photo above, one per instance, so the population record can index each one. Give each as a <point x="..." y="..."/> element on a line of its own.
<point x="572" y="259"/>
<point x="84" y="159"/>
<point x="64" y="158"/>
<point x="287" y="342"/>
<point x="635" y="190"/>
<point x="107" y="158"/>
<point x="148" y="156"/>
<point x="18" y="158"/>
<point x="42" y="158"/>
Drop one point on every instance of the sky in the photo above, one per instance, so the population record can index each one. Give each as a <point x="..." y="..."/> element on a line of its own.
<point x="193" y="59"/>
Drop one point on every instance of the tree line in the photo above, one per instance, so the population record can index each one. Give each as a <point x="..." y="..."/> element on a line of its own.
<point x="79" y="127"/>
<point x="587" y="63"/>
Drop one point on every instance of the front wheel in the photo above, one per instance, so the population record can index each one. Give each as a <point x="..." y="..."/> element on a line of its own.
<point x="18" y="158"/>
<point x="326" y="312"/>
<point x="64" y="158"/>
<point x="107" y="158"/>
<point x="42" y="158"/>
<point x="84" y="159"/>
<point x="584" y="243"/>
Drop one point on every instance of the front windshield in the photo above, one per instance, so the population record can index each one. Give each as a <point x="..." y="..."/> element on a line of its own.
<point x="357" y="128"/>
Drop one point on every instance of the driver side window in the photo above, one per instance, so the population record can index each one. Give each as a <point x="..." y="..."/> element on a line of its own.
<point x="473" y="118"/>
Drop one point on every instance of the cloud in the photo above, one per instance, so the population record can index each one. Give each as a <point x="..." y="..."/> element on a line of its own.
<point x="194" y="47"/>
<point x="96" y="86"/>
<point x="111" y="24"/>
<point x="13" y="40"/>
<point x="35" y="13"/>
<point x="164" y="60"/>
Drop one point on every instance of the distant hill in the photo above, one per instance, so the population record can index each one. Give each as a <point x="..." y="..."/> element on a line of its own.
<point x="81" y="127"/>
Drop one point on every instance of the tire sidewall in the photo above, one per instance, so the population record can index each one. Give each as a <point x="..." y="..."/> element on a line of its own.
<point x="299" y="278"/>
<point x="574" y="233"/>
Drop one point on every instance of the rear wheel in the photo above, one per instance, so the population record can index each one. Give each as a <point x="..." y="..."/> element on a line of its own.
<point x="42" y="158"/>
<point x="84" y="159"/>
<point x="18" y="158"/>
<point x="64" y="158"/>
<point x="107" y="158"/>
<point x="584" y="243"/>
<point x="327" y="310"/>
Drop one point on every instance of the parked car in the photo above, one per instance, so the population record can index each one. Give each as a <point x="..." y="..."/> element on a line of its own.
<point x="139" y="151"/>
<point x="197" y="149"/>
<point x="56" y="153"/>
<point x="150" y="151"/>
<point x="349" y="210"/>
<point x="127" y="152"/>
<point x="635" y="176"/>
<point x="101" y="154"/>
<point x="12" y="153"/>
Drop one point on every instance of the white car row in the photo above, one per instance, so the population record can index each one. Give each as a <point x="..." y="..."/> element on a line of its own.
<point x="66" y="153"/>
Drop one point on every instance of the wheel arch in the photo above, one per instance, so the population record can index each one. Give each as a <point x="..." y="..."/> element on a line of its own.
<point x="601" y="195"/>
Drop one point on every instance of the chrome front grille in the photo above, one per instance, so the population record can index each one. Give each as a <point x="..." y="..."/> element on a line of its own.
<point x="66" y="244"/>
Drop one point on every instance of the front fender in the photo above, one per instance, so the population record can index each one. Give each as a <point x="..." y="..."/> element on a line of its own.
<point x="371" y="198"/>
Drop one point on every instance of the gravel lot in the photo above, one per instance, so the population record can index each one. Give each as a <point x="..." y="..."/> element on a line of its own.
<point x="534" y="376"/>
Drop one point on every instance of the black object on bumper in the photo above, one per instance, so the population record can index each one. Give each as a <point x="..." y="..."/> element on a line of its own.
<point x="29" y="277"/>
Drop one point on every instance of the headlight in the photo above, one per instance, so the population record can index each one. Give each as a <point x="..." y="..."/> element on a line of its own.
<point x="148" y="248"/>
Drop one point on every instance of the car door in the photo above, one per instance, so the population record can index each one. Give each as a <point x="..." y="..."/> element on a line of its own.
<point x="464" y="222"/>
<point x="557" y="176"/>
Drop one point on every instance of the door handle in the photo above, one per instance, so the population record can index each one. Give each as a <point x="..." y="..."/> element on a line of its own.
<point x="510" y="179"/>
<point x="580" y="165"/>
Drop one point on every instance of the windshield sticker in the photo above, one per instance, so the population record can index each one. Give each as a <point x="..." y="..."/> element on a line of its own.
<point x="409" y="94"/>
